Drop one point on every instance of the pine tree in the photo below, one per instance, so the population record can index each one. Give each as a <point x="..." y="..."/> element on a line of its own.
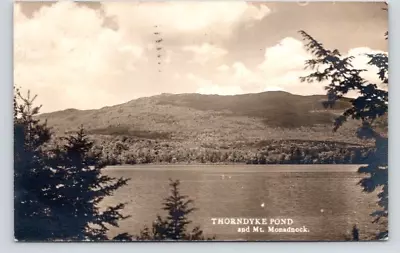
<point x="84" y="187"/>
<point x="57" y="190"/>
<point x="175" y="225"/>
<point x="370" y="106"/>
<point x="33" y="182"/>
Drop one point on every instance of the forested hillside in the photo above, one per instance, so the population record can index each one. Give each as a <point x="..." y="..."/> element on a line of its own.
<point x="262" y="128"/>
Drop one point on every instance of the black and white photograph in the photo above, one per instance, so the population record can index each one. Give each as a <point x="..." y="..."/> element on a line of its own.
<point x="200" y="121"/>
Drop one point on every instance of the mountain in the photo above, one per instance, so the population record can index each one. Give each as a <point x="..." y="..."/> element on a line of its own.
<point x="267" y="115"/>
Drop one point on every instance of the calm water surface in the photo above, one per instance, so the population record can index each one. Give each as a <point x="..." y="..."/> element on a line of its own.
<point x="324" y="198"/>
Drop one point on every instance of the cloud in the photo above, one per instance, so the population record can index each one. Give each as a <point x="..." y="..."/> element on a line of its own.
<point x="64" y="53"/>
<point x="361" y="60"/>
<point x="68" y="55"/>
<point x="288" y="54"/>
<point x="283" y="65"/>
<point x="223" y="68"/>
<point x="169" y="56"/>
<point x="273" y="88"/>
<point x="187" y="17"/>
<point x="205" y="86"/>
<point x="237" y="79"/>
<point x="281" y="69"/>
<point x="205" y="53"/>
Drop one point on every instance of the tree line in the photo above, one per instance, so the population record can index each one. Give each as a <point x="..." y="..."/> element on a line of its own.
<point x="122" y="151"/>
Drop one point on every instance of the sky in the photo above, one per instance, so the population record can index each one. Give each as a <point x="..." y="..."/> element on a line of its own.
<point x="91" y="55"/>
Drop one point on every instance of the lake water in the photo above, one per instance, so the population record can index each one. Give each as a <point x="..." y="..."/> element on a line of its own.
<point x="324" y="198"/>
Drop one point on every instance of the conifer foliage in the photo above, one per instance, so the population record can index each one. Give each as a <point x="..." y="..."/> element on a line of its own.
<point x="370" y="107"/>
<point x="175" y="225"/>
<point x="57" y="190"/>
<point x="32" y="178"/>
<point x="83" y="187"/>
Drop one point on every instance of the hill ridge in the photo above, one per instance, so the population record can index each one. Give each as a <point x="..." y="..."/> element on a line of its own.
<point x="203" y="117"/>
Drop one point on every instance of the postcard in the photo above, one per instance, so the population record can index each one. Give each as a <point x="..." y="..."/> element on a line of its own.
<point x="200" y="121"/>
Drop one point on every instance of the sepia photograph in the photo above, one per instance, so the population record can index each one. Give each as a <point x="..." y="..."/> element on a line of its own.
<point x="200" y="121"/>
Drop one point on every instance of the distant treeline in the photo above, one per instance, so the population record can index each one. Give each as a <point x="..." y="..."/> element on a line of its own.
<point x="123" y="150"/>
